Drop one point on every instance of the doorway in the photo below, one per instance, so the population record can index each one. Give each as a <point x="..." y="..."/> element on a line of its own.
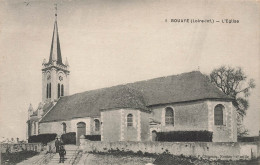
<point x="81" y="130"/>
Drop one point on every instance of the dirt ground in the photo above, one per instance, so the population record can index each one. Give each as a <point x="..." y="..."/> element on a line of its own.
<point x="96" y="159"/>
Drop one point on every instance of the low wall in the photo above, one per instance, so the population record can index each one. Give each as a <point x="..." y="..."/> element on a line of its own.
<point x="51" y="146"/>
<point x="17" y="147"/>
<point x="206" y="150"/>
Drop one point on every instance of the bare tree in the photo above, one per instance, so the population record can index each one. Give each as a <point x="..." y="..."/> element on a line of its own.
<point x="233" y="82"/>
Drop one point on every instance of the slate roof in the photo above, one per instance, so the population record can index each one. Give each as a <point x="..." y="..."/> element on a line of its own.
<point x="45" y="107"/>
<point x="139" y="95"/>
<point x="55" y="52"/>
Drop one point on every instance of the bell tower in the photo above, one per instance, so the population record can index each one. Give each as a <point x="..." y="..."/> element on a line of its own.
<point x="55" y="74"/>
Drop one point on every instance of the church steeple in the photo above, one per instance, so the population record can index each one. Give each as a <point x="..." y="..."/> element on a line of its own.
<point x="55" y="74"/>
<point x="55" y="53"/>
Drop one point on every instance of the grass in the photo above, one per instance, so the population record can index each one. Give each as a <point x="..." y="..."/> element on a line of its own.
<point x="14" y="158"/>
<point x="118" y="157"/>
<point x="98" y="159"/>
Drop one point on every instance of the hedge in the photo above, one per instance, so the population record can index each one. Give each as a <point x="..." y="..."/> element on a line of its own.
<point x="248" y="139"/>
<point x="93" y="137"/>
<point x="69" y="138"/>
<point x="185" y="136"/>
<point x="42" y="138"/>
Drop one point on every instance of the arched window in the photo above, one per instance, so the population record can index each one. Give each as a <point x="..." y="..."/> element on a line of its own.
<point x="34" y="128"/>
<point x="154" y="135"/>
<point x="47" y="91"/>
<point x="50" y="90"/>
<point x="218" y="114"/>
<point x="169" y="116"/>
<point x="64" y="128"/>
<point x="97" y="125"/>
<point x="62" y="90"/>
<point x="129" y="120"/>
<point x="59" y="90"/>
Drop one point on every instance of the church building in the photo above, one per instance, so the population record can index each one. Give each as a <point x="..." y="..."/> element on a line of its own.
<point x="130" y="112"/>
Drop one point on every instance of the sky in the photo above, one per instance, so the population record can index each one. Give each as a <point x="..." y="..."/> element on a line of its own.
<point x="111" y="42"/>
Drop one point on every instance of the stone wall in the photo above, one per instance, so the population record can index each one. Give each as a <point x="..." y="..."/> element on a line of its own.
<point x="38" y="147"/>
<point x="145" y="133"/>
<point x="110" y="128"/>
<point x="228" y="131"/>
<point x="71" y="126"/>
<point x="206" y="150"/>
<point x="55" y="127"/>
<point x="130" y="133"/>
<point x="187" y="116"/>
<point x="196" y="116"/>
<point x="114" y="125"/>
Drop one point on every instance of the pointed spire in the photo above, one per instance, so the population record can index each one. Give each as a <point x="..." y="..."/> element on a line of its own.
<point x="30" y="107"/>
<point x="67" y="63"/>
<point x="55" y="54"/>
<point x="44" y="61"/>
<point x="30" y="111"/>
<point x="40" y="106"/>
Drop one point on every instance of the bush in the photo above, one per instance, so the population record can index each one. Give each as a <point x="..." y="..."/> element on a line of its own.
<point x="69" y="138"/>
<point x="185" y="136"/>
<point x="42" y="138"/>
<point x="16" y="157"/>
<point x="93" y="137"/>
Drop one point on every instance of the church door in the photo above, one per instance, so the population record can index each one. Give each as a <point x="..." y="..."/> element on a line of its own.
<point x="154" y="136"/>
<point x="81" y="130"/>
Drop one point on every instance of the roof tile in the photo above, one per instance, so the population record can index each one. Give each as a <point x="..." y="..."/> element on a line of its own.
<point x="139" y="95"/>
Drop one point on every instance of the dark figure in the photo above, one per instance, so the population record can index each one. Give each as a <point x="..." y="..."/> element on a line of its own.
<point x="62" y="154"/>
<point x="7" y="151"/>
<point x="57" y="145"/>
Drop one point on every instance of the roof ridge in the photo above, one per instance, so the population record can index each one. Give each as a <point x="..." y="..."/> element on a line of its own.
<point x="172" y="89"/>
<point x="126" y="84"/>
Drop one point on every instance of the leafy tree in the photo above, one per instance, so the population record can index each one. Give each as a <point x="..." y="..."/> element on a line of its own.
<point x="233" y="82"/>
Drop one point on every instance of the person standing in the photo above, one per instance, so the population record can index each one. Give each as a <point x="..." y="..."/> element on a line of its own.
<point x="62" y="153"/>
<point x="57" y="145"/>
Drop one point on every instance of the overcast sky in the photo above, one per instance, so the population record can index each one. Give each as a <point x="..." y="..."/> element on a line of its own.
<point x="110" y="42"/>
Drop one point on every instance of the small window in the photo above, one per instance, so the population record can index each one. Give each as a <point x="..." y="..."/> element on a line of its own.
<point x="129" y="120"/>
<point x="218" y="114"/>
<point x="169" y="116"/>
<point x="64" y="128"/>
<point x="97" y="125"/>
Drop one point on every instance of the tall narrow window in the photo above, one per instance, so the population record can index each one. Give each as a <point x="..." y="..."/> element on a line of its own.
<point x="47" y="91"/>
<point x="97" y="125"/>
<point x="34" y="126"/>
<point x="129" y="120"/>
<point x="154" y="135"/>
<point x="62" y="90"/>
<point x="58" y="90"/>
<point x="64" y="128"/>
<point x="218" y="114"/>
<point x="50" y="90"/>
<point x="169" y="116"/>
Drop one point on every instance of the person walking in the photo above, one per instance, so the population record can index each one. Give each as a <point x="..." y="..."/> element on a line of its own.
<point x="62" y="153"/>
<point x="57" y="145"/>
